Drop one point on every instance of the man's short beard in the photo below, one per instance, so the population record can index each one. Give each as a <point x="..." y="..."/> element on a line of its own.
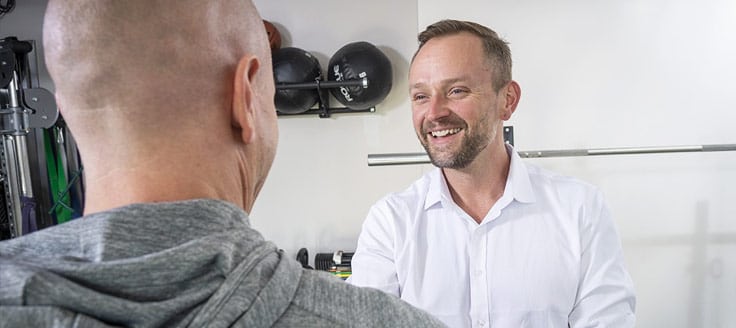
<point x="471" y="145"/>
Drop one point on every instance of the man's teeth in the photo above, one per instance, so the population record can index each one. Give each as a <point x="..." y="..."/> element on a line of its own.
<point x="442" y="133"/>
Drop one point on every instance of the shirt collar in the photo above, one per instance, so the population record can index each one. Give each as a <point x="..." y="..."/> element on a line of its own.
<point x="518" y="178"/>
<point x="518" y="184"/>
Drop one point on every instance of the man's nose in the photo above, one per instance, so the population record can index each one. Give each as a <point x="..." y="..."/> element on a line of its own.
<point x="438" y="108"/>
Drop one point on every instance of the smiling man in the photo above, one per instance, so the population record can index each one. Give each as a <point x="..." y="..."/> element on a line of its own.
<point x="486" y="239"/>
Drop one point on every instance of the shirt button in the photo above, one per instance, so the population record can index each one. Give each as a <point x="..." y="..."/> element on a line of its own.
<point x="479" y="273"/>
<point x="481" y="323"/>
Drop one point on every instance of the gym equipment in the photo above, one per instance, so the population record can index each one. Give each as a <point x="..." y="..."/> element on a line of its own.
<point x="274" y="36"/>
<point x="360" y="60"/>
<point x="337" y="263"/>
<point x="359" y="76"/>
<point x="294" y="65"/>
<point x="321" y="87"/>
<point x="423" y="158"/>
<point x="302" y="256"/>
<point x="24" y="111"/>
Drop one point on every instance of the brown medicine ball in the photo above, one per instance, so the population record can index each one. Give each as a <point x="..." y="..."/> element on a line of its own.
<point x="274" y="37"/>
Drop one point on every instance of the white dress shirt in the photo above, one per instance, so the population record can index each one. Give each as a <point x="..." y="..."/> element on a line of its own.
<point x="547" y="254"/>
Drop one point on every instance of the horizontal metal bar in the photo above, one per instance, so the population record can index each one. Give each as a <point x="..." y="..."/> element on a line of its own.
<point x="323" y="84"/>
<point x="330" y="111"/>
<point x="423" y="158"/>
<point x="397" y="159"/>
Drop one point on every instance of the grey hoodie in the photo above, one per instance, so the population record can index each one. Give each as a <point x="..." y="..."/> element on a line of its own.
<point x="183" y="264"/>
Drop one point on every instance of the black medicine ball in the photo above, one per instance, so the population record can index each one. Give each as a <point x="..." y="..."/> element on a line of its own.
<point x="294" y="65"/>
<point x="359" y="60"/>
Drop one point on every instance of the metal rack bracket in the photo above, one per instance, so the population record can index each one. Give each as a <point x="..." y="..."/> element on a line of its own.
<point x="323" y="108"/>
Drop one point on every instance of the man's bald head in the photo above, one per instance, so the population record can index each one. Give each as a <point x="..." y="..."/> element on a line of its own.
<point x="104" y="54"/>
<point x="154" y="90"/>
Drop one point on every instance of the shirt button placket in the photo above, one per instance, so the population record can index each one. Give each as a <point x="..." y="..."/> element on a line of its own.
<point x="479" y="302"/>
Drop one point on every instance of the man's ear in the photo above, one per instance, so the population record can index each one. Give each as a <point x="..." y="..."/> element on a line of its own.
<point x="511" y="93"/>
<point x="244" y="102"/>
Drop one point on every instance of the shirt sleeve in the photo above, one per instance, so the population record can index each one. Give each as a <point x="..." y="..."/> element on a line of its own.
<point x="373" y="264"/>
<point x="605" y="296"/>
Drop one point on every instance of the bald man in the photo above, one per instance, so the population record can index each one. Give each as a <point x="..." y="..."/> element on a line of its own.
<point x="171" y="103"/>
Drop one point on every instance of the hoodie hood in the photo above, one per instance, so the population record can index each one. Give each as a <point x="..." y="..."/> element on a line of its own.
<point x="190" y="263"/>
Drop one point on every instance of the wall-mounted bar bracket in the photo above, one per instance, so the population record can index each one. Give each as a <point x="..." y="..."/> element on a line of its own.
<point x="323" y="108"/>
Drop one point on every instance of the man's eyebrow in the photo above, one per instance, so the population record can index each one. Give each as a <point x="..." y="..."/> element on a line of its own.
<point x="447" y="81"/>
<point x="417" y="85"/>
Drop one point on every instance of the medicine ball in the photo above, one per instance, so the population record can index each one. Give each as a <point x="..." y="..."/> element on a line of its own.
<point x="294" y="65"/>
<point x="356" y="61"/>
<point x="274" y="37"/>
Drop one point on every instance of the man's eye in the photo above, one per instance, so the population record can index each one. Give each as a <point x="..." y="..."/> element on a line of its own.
<point x="419" y="97"/>
<point x="457" y="91"/>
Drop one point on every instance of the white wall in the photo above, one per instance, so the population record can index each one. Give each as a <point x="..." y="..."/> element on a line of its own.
<point x="593" y="74"/>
